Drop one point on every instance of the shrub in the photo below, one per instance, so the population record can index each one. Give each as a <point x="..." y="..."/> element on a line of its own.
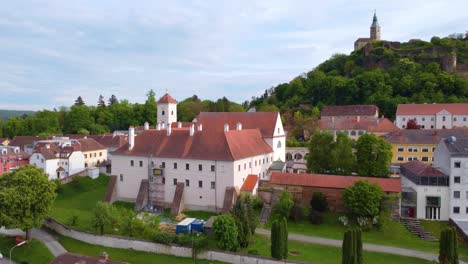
<point x="296" y="213"/>
<point x="282" y="208"/>
<point x="363" y="199"/>
<point x="225" y="232"/>
<point x="165" y="238"/>
<point x="315" y="217"/>
<point x="257" y="202"/>
<point x="319" y="202"/>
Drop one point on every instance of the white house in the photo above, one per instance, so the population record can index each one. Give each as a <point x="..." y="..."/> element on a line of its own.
<point x="451" y="157"/>
<point x="433" y="116"/>
<point x="425" y="192"/>
<point x="167" y="110"/>
<point x="216" y="153"/>
<point x="59" y="157"/>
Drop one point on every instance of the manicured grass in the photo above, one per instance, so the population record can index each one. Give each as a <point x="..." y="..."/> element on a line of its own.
<point x="395" y="234"/>
<point x="325" y="254"/>
<point x="204" y="215"/>
<point x="435" y="227"/>
<point x="130" y="256"/>
<point x="126" y="205"/>
<point x="78" y="198"/>
<point x="33" y="252"/>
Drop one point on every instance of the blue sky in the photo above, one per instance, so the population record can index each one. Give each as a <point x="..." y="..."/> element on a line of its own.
<point x="53" y="51"/>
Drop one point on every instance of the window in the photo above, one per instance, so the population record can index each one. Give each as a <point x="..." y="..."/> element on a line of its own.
<point x="86" y="165"/>
<point x="432" y="126"/>
<point x="94" y="154"/>
<point x="425" y="158"/>
<point x="131" y="163"/>
<point x="353" y="133"/>
<point x="457" y="164"/>
<point x="466" y="210"/>
<point x="163" y="180"/>
<point x="433" y="149"/>
<point x="200" y="167"/>
<point x="212" y="167"/>
<point x="425" y="149"/>
<point x="174" y="181"/>
<point x="443" y="118"/>
<point x="400" y="158"/>
<point x="238" y="168"/>
<point x="361" y="132"/>
<point x="279" y="144"/>
<point x="187" y="183"/>
<point x="187" y="166"/>
<point x="466" y="195"/>
<point x="100" y="154"/>
<point x="255" y="163"/>
<point x="412" y="149"/>
<point x="141" y="163"/>
<point x="454" y="119"/>
<point x="456" y="210"/>
<point x="163" y="164"/>
<point x="423" y="119"/>
<point x="268" y="159"/>
<point x="200" y="184"/>
<point x="456" y="179"/>
<point x="404" y="118"/>
<point x="464" y="119"/>
<point x="245" y="166"/>
<point x="456" y="194"/>
<point x="162" y="112"/>
<point x="278" y="130"/>
<point x="404" y="126"/>
<point x="175" y="165"/>
<point x="423" y="126"/>
<point x="172" y="112"/>
<point x="412" y="158"/>
<point x="213" y="184"/>
<point x="250" y="164"/>
<point x="400" y="149"/>
<point x="121" y="177"/>
<point x="432" y="119"/>
<point x="85" y="156"/>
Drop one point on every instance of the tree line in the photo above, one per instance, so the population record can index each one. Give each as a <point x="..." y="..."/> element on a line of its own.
<point x="106" y="116"/>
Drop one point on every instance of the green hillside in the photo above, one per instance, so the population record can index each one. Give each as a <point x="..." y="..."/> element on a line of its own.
<point x="5" y="114"/>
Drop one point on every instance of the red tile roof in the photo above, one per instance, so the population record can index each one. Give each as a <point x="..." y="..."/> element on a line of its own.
<point x="331" y="181"/>
<point x="206" y="144"/>
<point x="370" y="124"/>
<point x="431" y="109"/>
<point x="107" y="140"/>
<point x="421" y="169"/>
<point x="89" y="144"/>
<point x="50" y="150"/>
<point x="265" y="121"/>
<point x="249" y="183"/>
<point x="167" y="99"/>
<point x="21" y="141"/>
<point x="350" y="110"/>
<point x="72" y="258"/>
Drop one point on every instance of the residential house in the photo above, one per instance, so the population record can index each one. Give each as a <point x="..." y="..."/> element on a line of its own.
<point x="94" y="153"/>
<point x="11" y="158"/>
<point x="350" y="111"/>
<point x="26" y="143"/>
<point x="355" y="127"/>
<point x="425" y="192"/>
<point x="433" y="116"/>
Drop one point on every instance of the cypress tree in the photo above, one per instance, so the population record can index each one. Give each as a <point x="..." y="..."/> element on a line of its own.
<point x="240" y="214"/>
<point x="284" y="238"/>
<point x="448" y="248"/>
<point x="352" y="247"/>
<point x="275" y="240"/>
<point x="345" y="248"/>
<point x="359" y="246"/>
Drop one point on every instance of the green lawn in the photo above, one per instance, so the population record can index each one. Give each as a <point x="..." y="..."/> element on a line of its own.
<point x="33" y="252"/>
<point x="435" y="227"/>
<point x="204" y="215"/>
<point x="130" y="256"/>
<point x="78" y="198"/>
<point x="325" y="254"/>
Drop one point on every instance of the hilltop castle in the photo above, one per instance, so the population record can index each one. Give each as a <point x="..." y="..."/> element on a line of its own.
<point x="374" y="34"/>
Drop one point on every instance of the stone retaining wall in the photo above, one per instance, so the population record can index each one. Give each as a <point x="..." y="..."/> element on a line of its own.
<point x="148" y="246"/>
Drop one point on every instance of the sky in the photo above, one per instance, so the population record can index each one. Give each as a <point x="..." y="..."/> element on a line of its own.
<point x="53" y="51"/>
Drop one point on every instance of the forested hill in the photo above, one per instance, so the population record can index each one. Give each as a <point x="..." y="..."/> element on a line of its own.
<point x="384" y="74"/>
<point x="5" y="114"/>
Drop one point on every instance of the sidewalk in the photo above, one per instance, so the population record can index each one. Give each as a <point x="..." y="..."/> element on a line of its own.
<point x="366" y="246"/>
<point x="49" y="241"/>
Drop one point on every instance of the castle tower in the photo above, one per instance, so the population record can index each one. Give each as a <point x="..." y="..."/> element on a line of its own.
<point x="375" y="29"/>
<point x="167" y="110"/>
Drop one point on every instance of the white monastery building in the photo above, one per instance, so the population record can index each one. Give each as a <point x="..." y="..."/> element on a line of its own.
<point x="196" y="165"/>
<point x="433" y="116"/>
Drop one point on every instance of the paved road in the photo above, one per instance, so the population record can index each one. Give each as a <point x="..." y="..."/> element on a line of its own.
<point x="49" y="241"/>
<point x="368" y="247"/>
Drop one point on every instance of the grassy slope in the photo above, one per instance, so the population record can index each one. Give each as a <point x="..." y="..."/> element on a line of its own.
<point x="33" y="252"/>
<point x="79" y="198"/>
<point x="129" y="256"/>
<point x="435" y="227"/>
<point x="327" y="255"/>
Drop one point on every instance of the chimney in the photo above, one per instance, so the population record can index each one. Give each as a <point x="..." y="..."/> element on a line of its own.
<point x="179" y="124"/>
<point x="131" y="137"/>
<point x="169" y="130"/>
<point x="104" y="257"/>
<point x="200" y="127"/>
<point x="192" y="129"/>
<point x="239" y="126"/>
<point x="226" y="127"/>
<point x="159" y="126"/>
<point x="146" y="126"/>
<point x="358" y="119"/>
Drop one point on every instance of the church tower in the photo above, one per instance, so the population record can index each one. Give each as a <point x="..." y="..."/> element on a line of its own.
<point x="375" y="29"/>
<point x="167" y="110"/>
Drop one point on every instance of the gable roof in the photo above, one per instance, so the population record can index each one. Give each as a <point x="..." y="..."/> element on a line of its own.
<point x="371" y="124"/>
<point x="421" y="169"/>
<point x="424" y="136"/>
<point x="249" y="183"/>
<point x="264" y="121"/>
<point x="167" y="99"/>
<point x="350" y="110"/>
<point x="206" y="144"/>
<point x="21" y="141"/>
<point x="431" y="109"/>
<point x="331" y="181"/>
<point x="89" y="144"/>
<point x="459" y="147"/>
<point x="106" y="140"/>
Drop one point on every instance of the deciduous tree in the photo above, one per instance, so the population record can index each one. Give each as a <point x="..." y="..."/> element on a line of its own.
<point x="373" y="156"/>
<point x="225" y="232"/>
<point x="363" y="199"/>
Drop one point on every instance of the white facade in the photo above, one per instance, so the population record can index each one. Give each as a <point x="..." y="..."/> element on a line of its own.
<point x="72" y="164"/>
<point x="440" y="120"/>
<point x="92" y="158"/>
<point x="206" y="184"/>
<point x="278" y="141"/>
<point x="167" y="113"/>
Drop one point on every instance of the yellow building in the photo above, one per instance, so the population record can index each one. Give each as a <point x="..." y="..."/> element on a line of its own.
<point x="94" y="153"/>
<point x="419" y="144"/>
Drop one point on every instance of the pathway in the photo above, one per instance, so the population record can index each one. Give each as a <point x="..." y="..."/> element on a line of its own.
<point x="49" y="241"/>
<point x="366" y="246"/>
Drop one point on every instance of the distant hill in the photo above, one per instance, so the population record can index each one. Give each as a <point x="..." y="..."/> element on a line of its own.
<point x="5" y="114"/>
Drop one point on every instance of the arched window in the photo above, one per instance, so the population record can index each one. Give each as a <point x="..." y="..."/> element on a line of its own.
<point x="172" y="112"/>
<point x="162" y="112"/>
<point x="279" y="144"/>
<point x="361" y="132"/>
<point x="298" y="156"/>
<point x="289" y="156"/>
<point x="353" y="133"/>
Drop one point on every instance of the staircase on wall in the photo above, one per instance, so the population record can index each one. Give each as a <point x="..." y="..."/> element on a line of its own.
<point x="142" y="197"/>
<point x="110" y="192"/>
<point x="177" y="205"/>
<point x="230" y="196"/>
<point x="414" y="226"/>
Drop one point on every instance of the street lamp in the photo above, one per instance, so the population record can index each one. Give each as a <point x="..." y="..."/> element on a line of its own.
<point x="17" y="245"/>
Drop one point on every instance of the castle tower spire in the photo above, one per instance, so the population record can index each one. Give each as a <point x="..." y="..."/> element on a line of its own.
<point x="375" y="28"/>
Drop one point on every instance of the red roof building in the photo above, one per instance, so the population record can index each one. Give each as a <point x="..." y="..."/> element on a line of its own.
<point x="12" y="158"/>
<point x="350" y="111"/>
<point x="167" y="99"/>
<point x="357" y="126"/>
<point x="433" y="116"/>
<point x="250" y="184"/>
